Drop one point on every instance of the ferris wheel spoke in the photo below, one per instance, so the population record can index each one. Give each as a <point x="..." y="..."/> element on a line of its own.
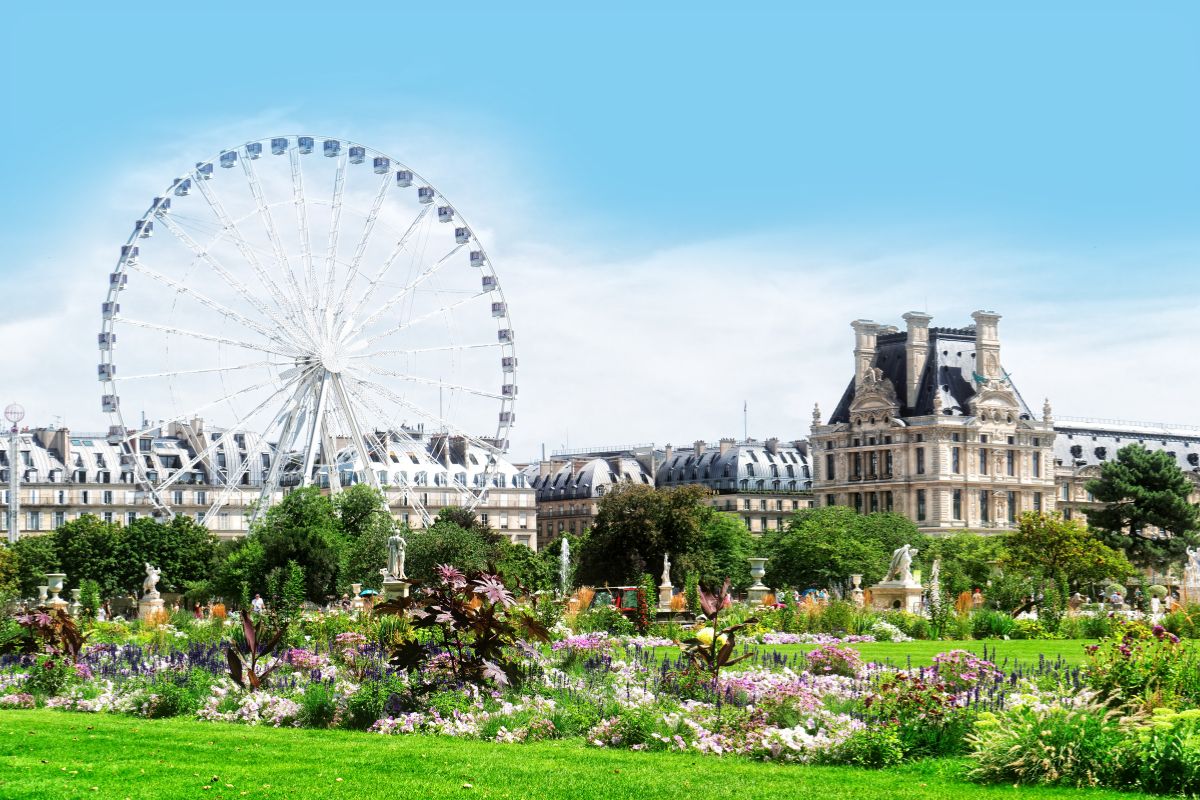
<point x="442" y="349"/>
<point x="283" y="450"/>
<point x="285" y="324"/>
<point x="154" y="326"/>
<point x="310" y="276"/>
<point x="203" y="455"/>
<point x="314" y="435"/>
<point x="431" y="382"/>
<point x="416" y="320"/>
<point x="294" y="302"/>
<point x="426" y="415"/>
<point x="408" y="288"/>
<point x="234" y="479"/>
<point x="401" y="244"/>
<point x="120" y="378"/>
<point x="325" y="298"/>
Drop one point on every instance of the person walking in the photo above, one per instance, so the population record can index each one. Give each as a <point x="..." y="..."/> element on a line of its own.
<point x="257" y="605"/>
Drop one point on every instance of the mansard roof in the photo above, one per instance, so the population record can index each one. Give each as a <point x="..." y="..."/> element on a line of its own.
<point x="948" y="373"/>
<point x="1083" y="445"/>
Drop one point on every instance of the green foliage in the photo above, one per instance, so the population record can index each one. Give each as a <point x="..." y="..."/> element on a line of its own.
<point x="723" y="551"/>
<point x="371" y="700"/>
<point x="691" y="591"/>
<point x="89" y="598"/>
<point x="366" y="525"/>
<point x="1062" y="551"/>
<point x="635" y="525"/>
<point x="444" y="543"/>
<point x="49" y="675"/>
<point x="520" y="566"/>
<point x="318" y="706"/>
<point x="989" y="624"/>
<point x="1143" y="491"/>
<point x="90" y="548"/>
<point x="822" y="547"/>
<point x="36" y="555"/>
<point x="302" y="528"/>
<point x="172" y="693"/>
<point x="1055" y="745"/>
<point x="603" y="618"/>
<point x="182" y="549"/>
<point x="10" y="582"/>
<point x="1166" y="758"/>
<point x="240" y="571"/>
<point x="967" y="560"/>
<point x="871" y="748"/>
<point x="1151" y="668"/>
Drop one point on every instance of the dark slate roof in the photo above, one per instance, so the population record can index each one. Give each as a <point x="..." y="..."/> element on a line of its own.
<point x="1081" y="445"/>
<point x="579" y="479"/>
<point x="751" y="462"/>
<point x="948" y="372"/>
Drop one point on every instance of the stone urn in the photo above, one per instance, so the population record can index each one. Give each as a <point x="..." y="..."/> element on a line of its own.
<point x="856" y="591"/>
<point x="43" y="594"/>
<point x="757" y="590"/>
<point x="54" y="582"/>
<point x="76" y="606"/>
<point x="356" y="601"/>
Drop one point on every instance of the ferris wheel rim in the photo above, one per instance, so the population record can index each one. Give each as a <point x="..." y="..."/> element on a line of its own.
<point x="155" y="212"/>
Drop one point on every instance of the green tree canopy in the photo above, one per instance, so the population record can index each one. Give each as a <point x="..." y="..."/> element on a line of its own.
<point x="968" y="560"/>
<point x="304" y="528"/>
<point x="87" y="547"/>
<point x="635" y="526"/>
<point x="182" y="549"/>
<point x="445" y="543"/>
<point x="36" y="555"/>
<point x="725" y="546"/>
<point x="823" y="547"/>
<point x="366" y="525"/>
<point x="1064" y="551"/>
<point x="1146" y="513"/>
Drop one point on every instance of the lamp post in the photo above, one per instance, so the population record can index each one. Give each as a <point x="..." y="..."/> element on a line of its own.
<point x="14" y="413"/>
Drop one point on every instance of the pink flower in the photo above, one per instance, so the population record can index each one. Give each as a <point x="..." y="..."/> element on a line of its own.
<point x="493" y="589"/>
<point x="451" y="576"/>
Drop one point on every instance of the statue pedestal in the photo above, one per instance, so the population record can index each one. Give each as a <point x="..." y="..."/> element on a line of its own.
<point x="150" y="605"/>
<point x="665" y="593"/>
<point x="897" y="595"/>
<point x="394" y="588"/>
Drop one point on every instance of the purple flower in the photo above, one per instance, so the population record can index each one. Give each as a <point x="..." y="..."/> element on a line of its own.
<point x="451" y="576"/>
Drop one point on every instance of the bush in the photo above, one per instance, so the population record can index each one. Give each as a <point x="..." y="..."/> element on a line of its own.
<point x="1052" y="745"/>
<point x="604" y="618"/>
<point x="175" y="694"/>
<point x="989" y="624"/>
<point x="1098" y="626"/>
<point x="1167" y="759"/>
<point x="838" y="616"/>
<point x="913" y="625"/>
<point x="832" y="659"/>
<point x="1151" y="667"/>
<point x="49" y="675"/>
<point x="870" y="748"/>
<point x="375" y="700"/>
<point x="318" y="706"/>
<point x="928" y="718"/>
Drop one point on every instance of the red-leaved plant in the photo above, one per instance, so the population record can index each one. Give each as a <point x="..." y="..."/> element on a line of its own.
<point x="243" y="657"/>
<point x="711" y="649"/>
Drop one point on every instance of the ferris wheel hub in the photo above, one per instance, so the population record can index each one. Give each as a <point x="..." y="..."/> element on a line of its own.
<point x="332" y="357"/>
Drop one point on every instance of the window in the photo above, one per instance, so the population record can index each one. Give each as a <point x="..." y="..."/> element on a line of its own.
<point x="830" y="470"/>
<point x="1037" y="465"/>
<point x="857" y="465"/>
<point x="954" y="437"/>
<point x="33" y="496"/>
<point x="750" y="470"/>
<point x="503" y="519"/>
<point x="982" y="461"/>
<point x="201" y="498"/>
<point x="920" y="505"/>
<point x="61" y="497"/>
<point x="60" y="517"/>
<point x="920" y="437"/>
<point x="873" y="465"/>
<point x="746" y="504"/>
<point x="107" y="516"/>
<point x="522" y="520"/>
<point x="266" y="460"/>
<point x="85" y="497"/>
<point x="130" y="516"/>
<point x="920" y="460"/>
<point x="1037" y="502"/>
<point x="483" y="520"/>
<point x="763" y="521"/>
<point x="1011" y="460"/>
<point x="106" y="497"/>
<point x="177" y="497"/>
<point x="887" y="501"/>
<point x="34" y="521"/>
<point x="1066" y="491"/>
<point x="983" y="438"/>
<point x="858" y="503"/>
<point x="984" y="516"/>
<point x="1012" y="506"/>
<point x="749" y="527"/>
<point x="762" y="504"/>
<point x="957" y="513"/>
<point x="874" y="502"/>
<point x="830" y="500"/>
<point x="954" y="455"/>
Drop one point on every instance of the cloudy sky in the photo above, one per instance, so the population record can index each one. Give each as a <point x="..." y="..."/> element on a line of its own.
<point x="686" y="207"/>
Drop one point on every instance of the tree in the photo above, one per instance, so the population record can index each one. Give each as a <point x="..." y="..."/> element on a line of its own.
<point x="1147" y="513"/>
<point x="366" y="525"/>
<point x="466" y="519"/>
<point x="445" y="543"/>
<point x="303" y="528"/>
<point x="635" y="526"/>
<point x="10" y="583"/>
<point x="519" y="565"/>
<point x="823" y="547"/>
<point x="723" y="552"/>
<point x="240" y="573"/>
<point x="183" y="549"/>
<point x="90" y="548"/>
<point x="36" y="555"/>
<point x="1063" y="551"/>
<point x="968" y="560"/>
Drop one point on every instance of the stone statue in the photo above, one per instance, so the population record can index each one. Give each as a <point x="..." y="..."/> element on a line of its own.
<point x="1191" y="572"/>
<point x="666" y="573"/>
<point x="149" y="585"/>
<point x="901" y="567"/>
<point x="935" y="583"/>
<point x="396" y="547"/>
<point x="564" y="565"/>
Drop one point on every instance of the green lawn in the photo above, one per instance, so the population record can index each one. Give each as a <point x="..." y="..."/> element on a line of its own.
<point x="46" y="755"/>
<point x="922" y="652"/>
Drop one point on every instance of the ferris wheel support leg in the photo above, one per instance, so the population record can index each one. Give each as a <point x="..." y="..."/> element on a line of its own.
<point x="360" y="443"/>
<point x="318" y="420"/>
<point x="290" y="430"/>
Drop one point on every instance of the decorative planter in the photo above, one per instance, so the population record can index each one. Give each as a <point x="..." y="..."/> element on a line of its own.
<point x="757" y="590"/>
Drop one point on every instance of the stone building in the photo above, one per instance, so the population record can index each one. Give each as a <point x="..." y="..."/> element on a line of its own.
<point x="932" y="427"/>
<point x="65" y="474"/>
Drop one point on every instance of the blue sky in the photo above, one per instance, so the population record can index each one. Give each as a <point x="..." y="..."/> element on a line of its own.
<point x="1056" y="147"/>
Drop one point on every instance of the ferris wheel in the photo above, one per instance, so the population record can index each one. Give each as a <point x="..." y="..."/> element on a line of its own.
<point x="306" y="310"/>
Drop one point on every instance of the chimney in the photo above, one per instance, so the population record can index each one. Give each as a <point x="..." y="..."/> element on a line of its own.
<point x="865" y="332"/>
<point x="987" y="345"/>
<point x="699" y="447"/>
<point x="916" y="350"/>
<point x="773" y="446"/>
<point x="545" y="467"/>
<point x="726" y="444"/>
<point x="668" y="452"/>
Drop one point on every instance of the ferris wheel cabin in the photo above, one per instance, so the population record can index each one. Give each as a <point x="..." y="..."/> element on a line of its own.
<point x="304" y="144"/>
<point x="278" y="147"/>
<point x="254" y="150"/>
<point x="332" y="148"/>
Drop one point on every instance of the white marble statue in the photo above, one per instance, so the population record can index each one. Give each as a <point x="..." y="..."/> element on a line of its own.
<point x="901" y="567"/>
<point x="1191" y="573"/>
<point x="149" y="586"/>
<point x="397" y="544"/>
<point x="564" y="565"/>
<point x="666" y="573"/>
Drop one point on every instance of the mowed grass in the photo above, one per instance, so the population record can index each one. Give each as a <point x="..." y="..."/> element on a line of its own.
<point x="51" y="754"/>
<point x="1009" y="654"/>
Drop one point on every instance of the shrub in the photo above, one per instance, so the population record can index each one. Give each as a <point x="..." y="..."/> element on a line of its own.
<point x="928" y="719"/>
<point x="838" y="616"/>
<point x="1098" y="626"/>
<point x="1151" y="667"/>
<point x="605" y="618"/>
<point x="989" y="624"/>
<point x="318" y="706"/>
<point x="871" y="748"/>
<point x="1068" y="745"/>
<point x="1167" y="759"/>
<point x="173" y="694"/>
<point x="49" y="675"/>
<point x="832" y="659"/>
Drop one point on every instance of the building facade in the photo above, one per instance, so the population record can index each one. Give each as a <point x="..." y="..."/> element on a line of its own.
<point x="932" y="427"/>
<point x="66" y="474"/>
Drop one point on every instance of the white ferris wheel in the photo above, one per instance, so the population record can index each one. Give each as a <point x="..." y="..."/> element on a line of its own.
<point x="321" y="300"/>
